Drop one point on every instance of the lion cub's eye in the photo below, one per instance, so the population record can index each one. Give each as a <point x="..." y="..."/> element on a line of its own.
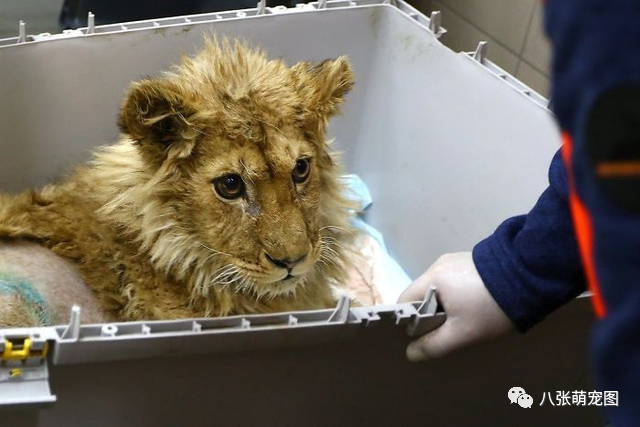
<point x="301" y="171"/>
<point x="229" y="186"/>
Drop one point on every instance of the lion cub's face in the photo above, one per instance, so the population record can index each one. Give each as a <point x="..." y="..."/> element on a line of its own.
<point x="238" y="144"/>
<point x="258" y="201"/>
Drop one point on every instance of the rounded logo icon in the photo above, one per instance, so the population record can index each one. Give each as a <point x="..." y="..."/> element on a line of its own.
<point x="515" y="393"/>
<point x="525" y="400"/>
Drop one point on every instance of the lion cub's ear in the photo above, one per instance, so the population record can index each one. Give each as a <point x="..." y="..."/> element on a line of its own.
<point x="159" y="116"/>
<point x="324" y="85"/>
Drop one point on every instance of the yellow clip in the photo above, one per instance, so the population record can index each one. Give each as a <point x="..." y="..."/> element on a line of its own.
<point x="14" y="350"/>
<point x="14" y="373"/>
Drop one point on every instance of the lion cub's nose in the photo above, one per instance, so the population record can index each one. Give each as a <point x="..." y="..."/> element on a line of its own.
<point x="287" y="262"/>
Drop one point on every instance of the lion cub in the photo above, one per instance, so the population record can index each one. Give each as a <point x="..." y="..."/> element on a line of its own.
<point x="221" y="196"/>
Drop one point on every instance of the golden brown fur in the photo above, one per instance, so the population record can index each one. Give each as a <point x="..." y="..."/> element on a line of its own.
<point x="143" y="222"/>
<point x="50" y="283"/>
<point x="16" y="313"/>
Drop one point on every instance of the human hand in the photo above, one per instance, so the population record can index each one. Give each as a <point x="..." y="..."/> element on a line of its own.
<point x="472" y="313"/>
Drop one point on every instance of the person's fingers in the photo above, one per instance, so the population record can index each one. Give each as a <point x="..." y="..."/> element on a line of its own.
<point x="417" y="290"/>
<point x="415" y="353"/>
<point x="434" y="344"/>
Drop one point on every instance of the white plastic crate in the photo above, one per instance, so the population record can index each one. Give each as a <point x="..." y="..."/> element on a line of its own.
<point x="448" y="143"/>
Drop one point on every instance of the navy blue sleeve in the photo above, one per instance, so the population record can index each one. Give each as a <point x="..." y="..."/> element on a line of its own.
<point x="596" y="93"/>
<point x="531" y="264"/>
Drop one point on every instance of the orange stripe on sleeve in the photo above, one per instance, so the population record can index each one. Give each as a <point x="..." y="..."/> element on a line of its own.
<point x="584" y="230"/>
<point x="618" y="169"/>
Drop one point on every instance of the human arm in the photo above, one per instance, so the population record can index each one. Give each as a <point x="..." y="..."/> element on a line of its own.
<point x="527" y="268"/>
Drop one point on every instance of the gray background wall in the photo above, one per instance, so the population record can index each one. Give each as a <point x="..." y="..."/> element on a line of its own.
<point x="513" y="29"/>
<point x="41" y="16"/>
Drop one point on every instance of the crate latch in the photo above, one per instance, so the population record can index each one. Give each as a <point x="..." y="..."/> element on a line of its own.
<point x="24" y="375"/>
<point x="435" y="25"/>
<point x="481" y="52"/>
<point x="342" y="310"/>
<point x="427" y="318"/>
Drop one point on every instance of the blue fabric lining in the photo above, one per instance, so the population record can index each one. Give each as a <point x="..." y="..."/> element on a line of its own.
<point x="397" y="278"/>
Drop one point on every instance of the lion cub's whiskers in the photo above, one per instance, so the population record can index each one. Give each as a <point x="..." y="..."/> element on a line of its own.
<point x="325" y="245"/>
<point x="249" y="173"/>
<point x="223" y="275"/>
<point x="335" y="227"/>
<point x="246" y="283"/>
<point x="332" y="241"/>
<point x="215" y="251"/>
<point x="328" y="255"/>
<point x="272" y="125"/>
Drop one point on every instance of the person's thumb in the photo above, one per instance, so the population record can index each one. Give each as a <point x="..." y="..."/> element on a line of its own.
<point x="413" y="293"/>
<point x="436" y="343"/>
<point x="416" y="291"/>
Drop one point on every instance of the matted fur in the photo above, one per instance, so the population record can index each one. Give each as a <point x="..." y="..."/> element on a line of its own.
<point x="143" y="222"/>
<point x="16" y="313"/>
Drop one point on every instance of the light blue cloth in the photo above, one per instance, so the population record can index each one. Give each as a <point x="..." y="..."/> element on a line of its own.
<point x="397" y="279"/>
<point x="357" y="191"/>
